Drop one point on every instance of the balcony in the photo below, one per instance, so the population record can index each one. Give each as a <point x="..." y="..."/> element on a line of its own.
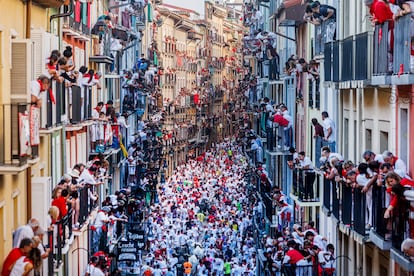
<point x="102" y="49"/>
<point x="76" y="29"/>
<point x="51" y="3"/>
<point x="347" y="205"/>
<point x="275" y="139"/>
<point x="393" y="68"/>
<point x="331" y="61"/>
<point x="59" y="240"/>
<point x="290" y="12"/>
<point x="349" y="60"/>
<point x="379" y="233"/>
<point x="306" y="187"/>
<point x="403" y="69"/>
<point x="16" y="134"/>
<point x="401" y="229"/>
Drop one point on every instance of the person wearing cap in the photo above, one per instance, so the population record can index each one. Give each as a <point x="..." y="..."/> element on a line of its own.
<point x="25" y="231"/>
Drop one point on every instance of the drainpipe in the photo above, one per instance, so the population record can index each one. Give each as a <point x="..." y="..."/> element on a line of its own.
<point x="59" y="15"/>
<point x="28" y="17"/>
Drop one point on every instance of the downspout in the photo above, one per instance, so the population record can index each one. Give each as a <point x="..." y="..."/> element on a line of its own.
<point x="60" y="15"/>
<point x="28" y="17"/>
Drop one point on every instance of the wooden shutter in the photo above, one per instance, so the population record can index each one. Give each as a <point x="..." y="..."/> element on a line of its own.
<point x="21" y="71"/>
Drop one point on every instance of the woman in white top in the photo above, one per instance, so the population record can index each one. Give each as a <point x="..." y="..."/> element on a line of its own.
<point x="25" y="265"/>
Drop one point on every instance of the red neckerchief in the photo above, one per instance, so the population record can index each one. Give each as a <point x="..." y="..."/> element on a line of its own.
<point x="51" y="95"/>
<point x="41" y="85"/>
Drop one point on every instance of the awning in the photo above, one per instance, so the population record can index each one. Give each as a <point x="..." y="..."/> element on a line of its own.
<point x="290" y="13"/>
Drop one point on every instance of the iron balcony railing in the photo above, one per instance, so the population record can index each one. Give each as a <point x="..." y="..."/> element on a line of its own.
<point x="58" y="238"/>
<point x="402" y="45"/>
<point x="346" y="204"/>
<point x="382" y="49"/>
<point x="306" y="185"/>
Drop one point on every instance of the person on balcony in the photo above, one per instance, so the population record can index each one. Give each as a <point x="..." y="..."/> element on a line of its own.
<point x="318" y="135"/>
<point x="274" y="62"/>
<point x="326" y="260"/>
<point x="99" y="227"/>
<point x="326" y="13"/>
<point x="398" y="165"/>
<point x="25" y="231"/>
<point x="96" y="128"/>
<point x="25" y="246"/>
<point x="407" y="247"/>
<point x="381" y="13"/>
<point x="36" y="88"/>
<point x="366" y="181"/>
<point x="61" y="203"/>
<point x="288" y="130"/>
<point x="329" y="129"/>
<point x="306" y="165"/>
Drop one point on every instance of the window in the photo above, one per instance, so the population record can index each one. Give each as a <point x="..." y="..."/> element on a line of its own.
<point x="355" y="140"/>
<point x="310" y="95"/>
<point x="368" y="138"/>
<point x="383" y="141"/>
<point x="403" y="133"/>
<point x="15" y="210"/>
<point x="346" y="142"/>
<point x="317" y="95"/>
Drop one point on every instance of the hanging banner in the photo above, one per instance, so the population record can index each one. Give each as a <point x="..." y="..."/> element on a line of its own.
<point x="34" y="125"/>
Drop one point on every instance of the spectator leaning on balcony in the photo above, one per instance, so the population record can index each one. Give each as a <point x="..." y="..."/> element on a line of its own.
<point x="25" y="231"/>
<point x="37" y="87"/>
<point x="381" y="13"/>
<point x="398" y="165"/>
<point x="61" y="203"/>
<point x="329" y="129"/>
<point x="407" y="247"/>
<point x="326" y="13"/>
<point x="24" y="248"/>
<point x="366" y="181"/>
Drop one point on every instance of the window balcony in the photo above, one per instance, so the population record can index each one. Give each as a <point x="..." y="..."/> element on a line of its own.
<point x="15" y="139"/>
<point x="59" y="240"/>
<point x="306" y="186"/>
<point x="349" y="59"/>
<point x="403" y="60"/>
<point x="347" y="205"/>
<point x="379" y="233"/>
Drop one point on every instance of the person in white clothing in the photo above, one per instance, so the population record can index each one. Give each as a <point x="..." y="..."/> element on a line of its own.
<point x="25" y="265"/>
<point x="36" y="88"/>
<point x="399" y="165"/>
<point x="25" y="231"/>
<point x="329" y="130"/>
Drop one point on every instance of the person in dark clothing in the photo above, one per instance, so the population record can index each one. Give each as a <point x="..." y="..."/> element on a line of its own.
<point x="318" y="128"/>
<point x="318" y="135"/>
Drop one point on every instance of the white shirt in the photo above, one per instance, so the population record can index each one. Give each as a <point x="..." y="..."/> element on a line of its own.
<point x="327" y="124"/>
<point x="35" y="88"/>
<point x="22" y="232"/>
<point x="100" y="219"/>
<point x="326" y="260"/>
<point x="306" y="162"/>
<point x="400" y="168"/>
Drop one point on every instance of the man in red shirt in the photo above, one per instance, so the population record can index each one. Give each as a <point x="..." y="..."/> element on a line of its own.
<point x="60" y="202"/>
<point x="15" y="254"/>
